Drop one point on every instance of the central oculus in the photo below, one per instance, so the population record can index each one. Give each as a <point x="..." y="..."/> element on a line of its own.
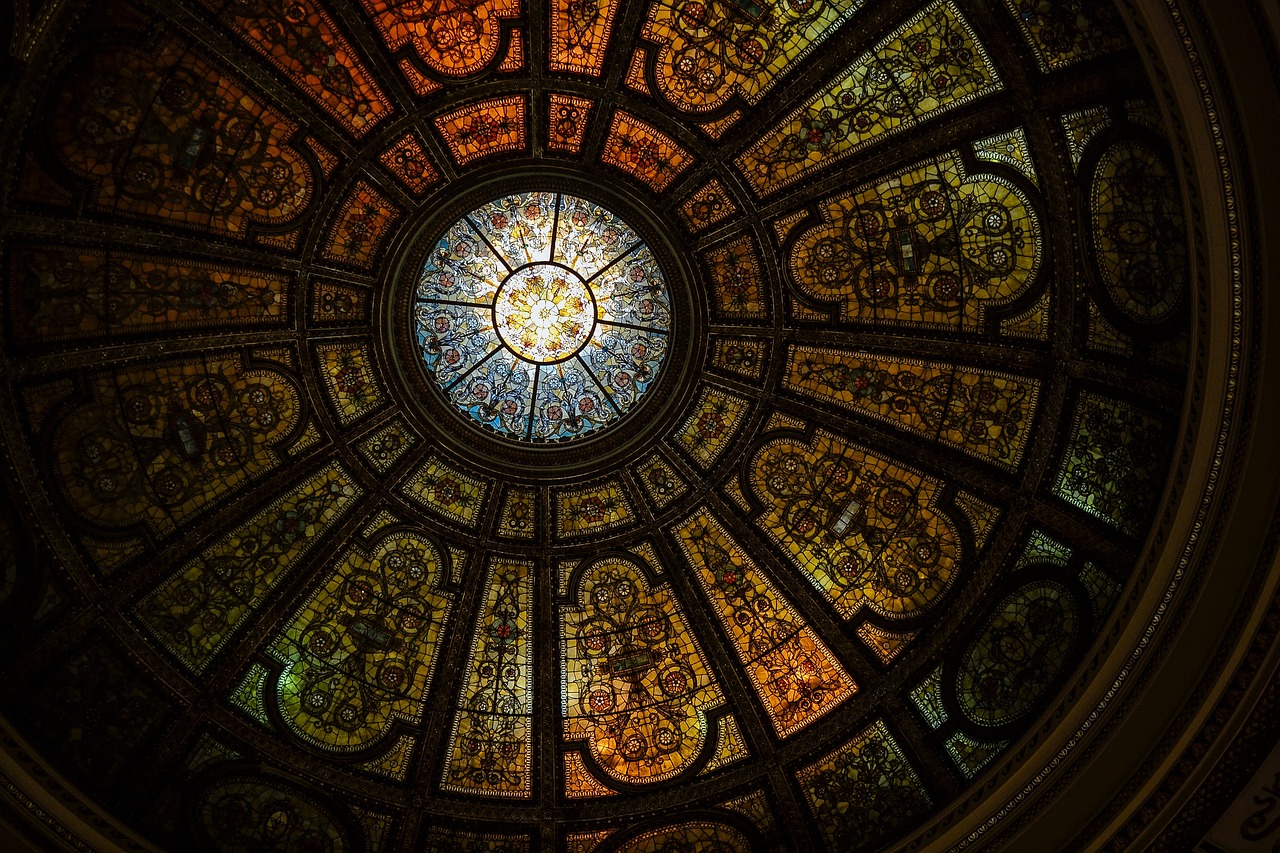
<point x="542" y="317"/>
<point x="544" y="313"/>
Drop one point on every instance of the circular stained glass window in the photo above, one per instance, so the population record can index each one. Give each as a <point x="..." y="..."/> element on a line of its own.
<point x="542" y="316"/>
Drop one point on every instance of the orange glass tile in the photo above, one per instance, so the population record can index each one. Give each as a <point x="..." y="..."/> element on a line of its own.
<point x="585" y="842"/>
<point x="361" y="226"/>
<point x="485" y="128"/>
<point x="581" y="783"/>
<point x="568" y="122"/>
<point x="796" y="676"/>
<point x="635" y="73"/>
<point x="707" y="206"/>
<point x="514" y="60"/>
<point x="644" y="152"/>
<point x="716" y="129"/>
<point x="408" y="162"/>
<point x="783" y="225"/>
<point x="327" y="159"/>
<point x="452" y="39"/>
<point x="333" y="301"/>
<point x="580" y="31"/>
<point x="736" y="280"/>
<point x="287" y="241"/>
<point x="422" y="85"/>
<point x="886" y="644"/>
<point x="303" y="42"/>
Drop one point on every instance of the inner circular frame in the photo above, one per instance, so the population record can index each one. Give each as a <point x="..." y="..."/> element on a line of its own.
<point x="526" y="350"/>
<point x="508" y="379"/>
<point x="431" y="415"/>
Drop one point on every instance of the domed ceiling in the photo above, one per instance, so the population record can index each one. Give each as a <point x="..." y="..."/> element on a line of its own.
<point x="716" y="425"/>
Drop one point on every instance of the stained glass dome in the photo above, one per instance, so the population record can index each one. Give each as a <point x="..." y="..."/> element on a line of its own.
<point x="542" y="316"/>
<point x="581" y="425"/>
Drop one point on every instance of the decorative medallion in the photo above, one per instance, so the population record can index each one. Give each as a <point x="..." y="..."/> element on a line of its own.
<point x="542" y="317"/>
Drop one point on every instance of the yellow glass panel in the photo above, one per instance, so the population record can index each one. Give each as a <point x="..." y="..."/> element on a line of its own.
<point x="302" y="40"/>
<point x="984" y="413"/>
<point x="718" y="128"/>
<point x="592" y="510"/>
<point x="1081" y="127"/>
<point x="327" y="159"/>
<point x="716" y="48"/>
<point x="580" y="32"/>
<point x="196" y="610"/>
<point x="755" y="807"/>
<point x="361" y="651"/>
<point x="249" y="695"/>
<point x="419" y="82"/>
<point x="492" y="737"/>
<point x="730" y="746"/>
<point x="518" y="518"/>
<point x="635" y="685"/>
<point x="1032" y="323"/>
<point x="712" y="424"/>
<point x="394" y="761"/>
<point x="445" y="490"/>
<point x="385" y="447"/>
<point x="158" y="444"/>
<point x="933" y="63"/>
<point x="796" y="676"/>
<point x="452" y="39"/>
<point x="864" y="529"/>
<point x="1010" y="149"/>
<point x="930" y="247"/>
<point x="350" y="380"/>
<point x="579" y="782"/>
<point x="660" y="482"/>
<point x="707" y="206"/>
<point x="742" y="356"/>
<point x="635" y="79"/>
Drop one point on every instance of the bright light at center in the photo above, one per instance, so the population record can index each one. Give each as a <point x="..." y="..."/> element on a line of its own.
<point x="545" y="313"/>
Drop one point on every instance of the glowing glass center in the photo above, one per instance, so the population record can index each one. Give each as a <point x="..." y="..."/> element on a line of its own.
<point x="542" y="317"/>
<point x="544" y="313"/>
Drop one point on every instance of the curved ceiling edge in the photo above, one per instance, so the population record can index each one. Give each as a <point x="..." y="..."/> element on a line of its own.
<point x="1112" y="742"/>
